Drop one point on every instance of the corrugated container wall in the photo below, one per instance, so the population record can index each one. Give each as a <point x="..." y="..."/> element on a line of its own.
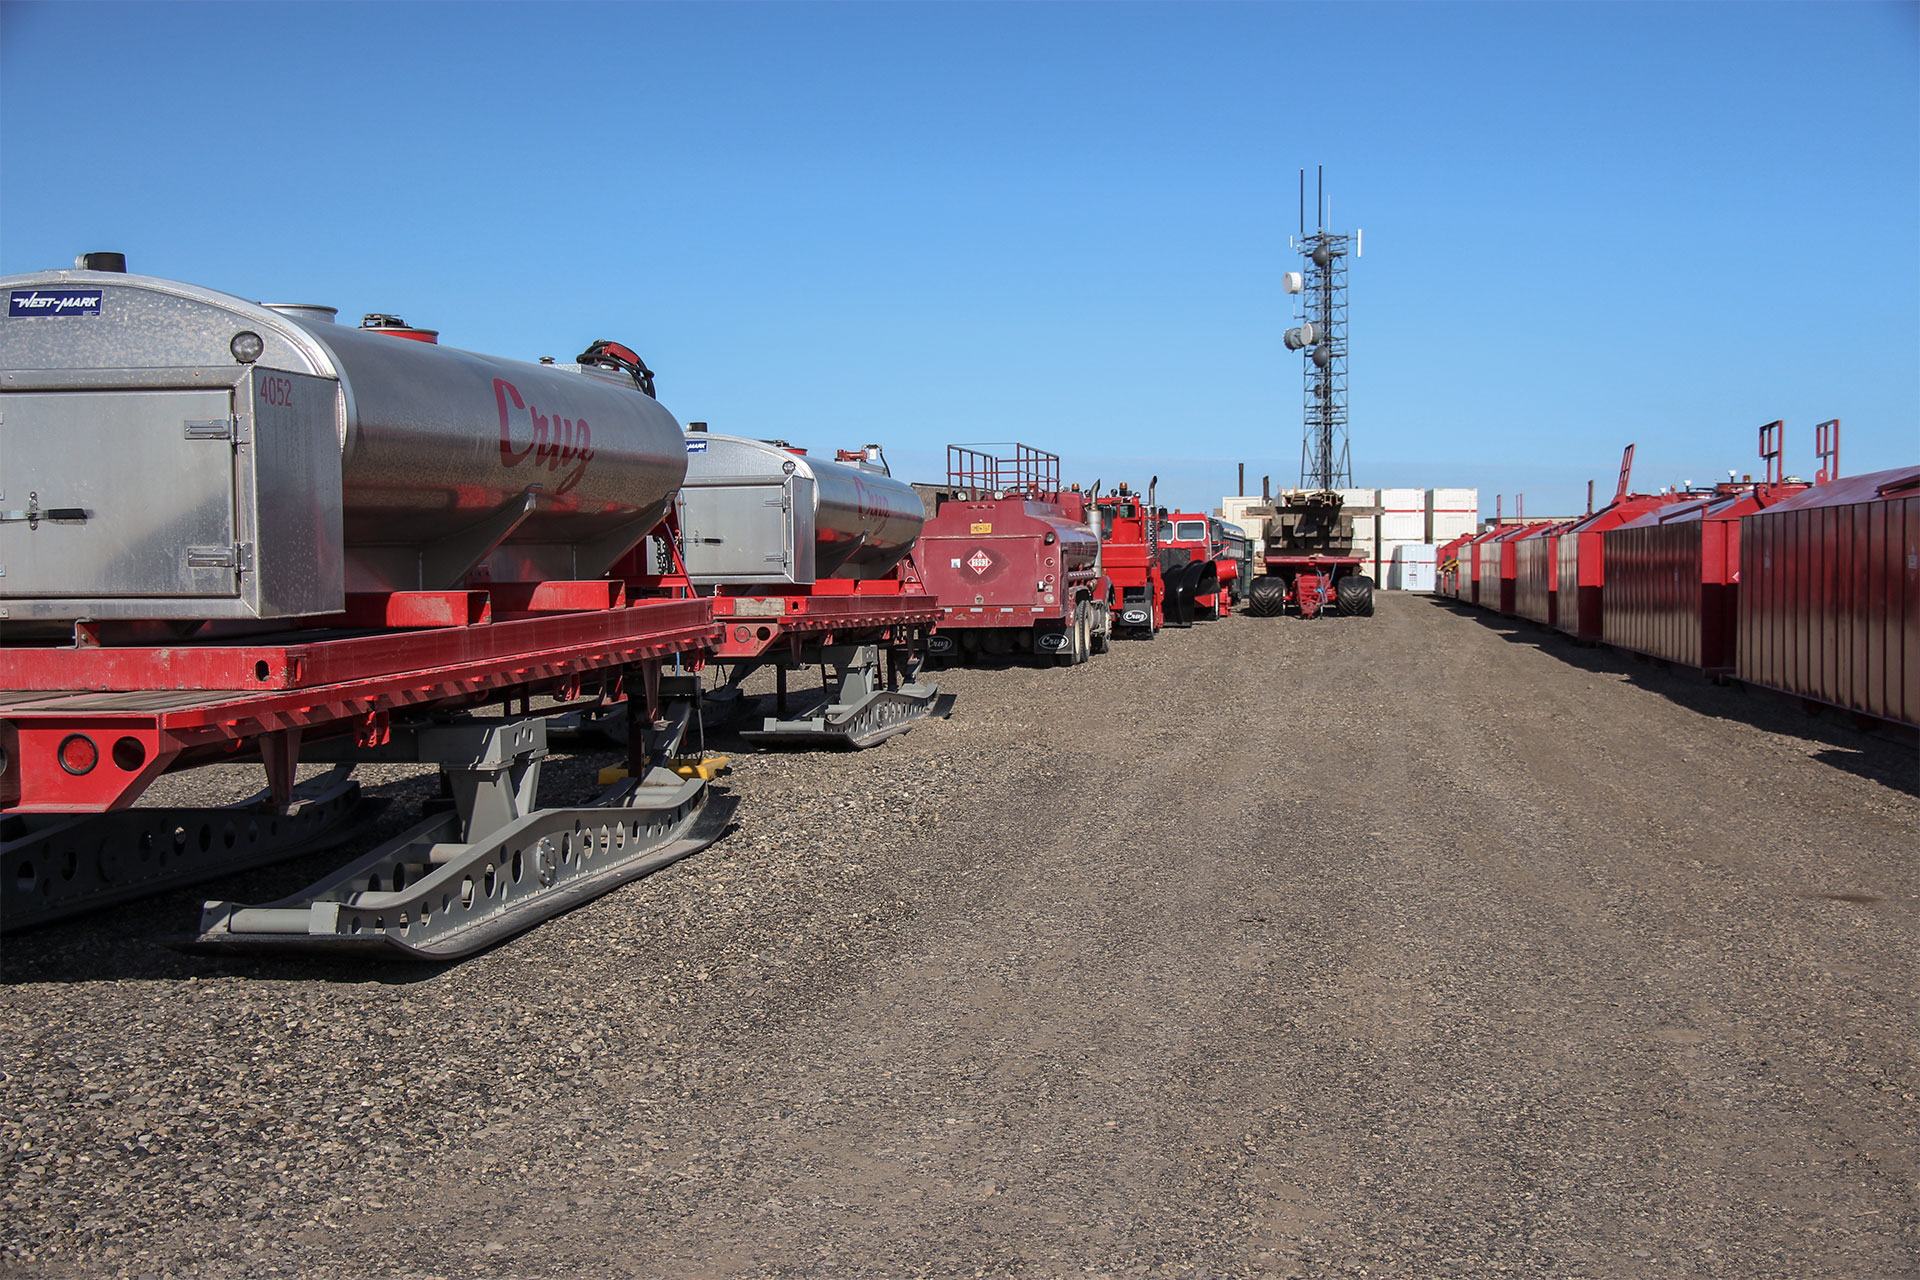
<point x="1670" y="587"/>
<point x="1536" y="575"/>
<point x="1830" y="595"/>
<point x="1582" y="576"/>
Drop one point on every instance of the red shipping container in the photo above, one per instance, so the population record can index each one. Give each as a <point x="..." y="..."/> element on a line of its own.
<point x="1830" y="595"/>
<point x="1536" y="581"/>
<point x="1497" y="566"/>
<point x="1673" y="577"/>
<point x="1467" y="584"/>
<point x="1448" y="562"/>
<point x="1582" y="561"/>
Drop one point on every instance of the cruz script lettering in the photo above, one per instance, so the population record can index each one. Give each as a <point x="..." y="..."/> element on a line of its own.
<point x="551" y="440"/>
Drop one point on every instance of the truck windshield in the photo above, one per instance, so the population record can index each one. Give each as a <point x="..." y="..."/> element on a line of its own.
<point x="1190" y="531"/>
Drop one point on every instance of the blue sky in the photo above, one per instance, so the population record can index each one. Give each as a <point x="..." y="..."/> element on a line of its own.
<point x="916" y="224"/>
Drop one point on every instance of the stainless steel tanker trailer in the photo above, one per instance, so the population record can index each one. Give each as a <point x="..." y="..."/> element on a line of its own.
<point x="810" y="564"/>
<point x="232" y="531"/>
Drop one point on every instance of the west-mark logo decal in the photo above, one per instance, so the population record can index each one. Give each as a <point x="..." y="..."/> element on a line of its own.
<point x="26" y="303"/>
<point x="696" y="446"/>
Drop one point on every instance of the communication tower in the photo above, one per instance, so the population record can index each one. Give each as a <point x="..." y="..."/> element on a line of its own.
<point x="1321" y="338"/>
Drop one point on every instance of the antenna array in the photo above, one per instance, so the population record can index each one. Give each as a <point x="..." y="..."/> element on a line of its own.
<point x="1321" y="284"/>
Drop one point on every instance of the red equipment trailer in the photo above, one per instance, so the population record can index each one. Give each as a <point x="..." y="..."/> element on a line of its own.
<point x="1498" y="565"/>
<point x="1673" y="577"/>
<point x="1198" y="537"/>
<point x="1673" y="574"/>
<point x="1452" y="567"/>
<point x="1467" y="580"/>
<point x="1014" y="559"/>
<point x="86" y="728"/>
<point x="1130" y="551"/>
<point x="1830" y="595"/>
<point x="1582" y="574"/>
<point x="1536" y="576"/>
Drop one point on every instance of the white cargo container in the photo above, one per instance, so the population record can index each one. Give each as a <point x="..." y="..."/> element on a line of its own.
<point x="1359" y="497"/>
<point x="1450" y="513"/>
<point x="1412" y="567"/>
<point x="1403" y="516"/>
<point x="1388" y="552"/>
<point x="1403" y="526"/>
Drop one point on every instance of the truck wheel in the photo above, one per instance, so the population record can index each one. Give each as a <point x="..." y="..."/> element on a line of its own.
<point x="1267" y="597"/>
<point x="1100" y="630"/>
<point x="1076" y="633"/>
<point x="1354" y="595"/>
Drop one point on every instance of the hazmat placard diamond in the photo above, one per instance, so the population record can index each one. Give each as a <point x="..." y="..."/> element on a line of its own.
<point x="980" y="562"/>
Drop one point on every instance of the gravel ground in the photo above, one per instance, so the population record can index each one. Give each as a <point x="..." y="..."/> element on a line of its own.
<point x="1426" y="946"/>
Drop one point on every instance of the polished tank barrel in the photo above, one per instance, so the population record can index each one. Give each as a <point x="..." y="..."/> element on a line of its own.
<point x="758" y="511"/>
<point x="238" y="460"/>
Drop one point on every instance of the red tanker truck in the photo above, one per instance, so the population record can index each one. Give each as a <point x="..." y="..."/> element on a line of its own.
<point x="1013" y="558"/>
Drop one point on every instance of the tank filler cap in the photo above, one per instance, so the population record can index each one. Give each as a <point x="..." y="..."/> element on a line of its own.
<point x="380" y="322"/>
<point x="115" y="262"/>
<point x="311" y="312"/>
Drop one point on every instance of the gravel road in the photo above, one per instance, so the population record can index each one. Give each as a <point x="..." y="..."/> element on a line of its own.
<point x="1426" y="946"/>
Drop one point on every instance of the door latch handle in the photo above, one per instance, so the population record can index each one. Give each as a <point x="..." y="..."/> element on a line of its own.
<point x="35" y="513"/>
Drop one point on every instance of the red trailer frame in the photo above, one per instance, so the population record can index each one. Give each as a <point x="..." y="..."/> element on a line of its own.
<point x="849" y="624"/>
<point x="86" y="728"/>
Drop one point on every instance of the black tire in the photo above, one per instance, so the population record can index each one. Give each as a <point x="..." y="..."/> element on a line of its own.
<point x="1354" y="595"/>
<point x="1206" y="582"/>
<point x="1073" y="654"/>
<point x="1176" y="603"/>
<point x="1267" y="597"/>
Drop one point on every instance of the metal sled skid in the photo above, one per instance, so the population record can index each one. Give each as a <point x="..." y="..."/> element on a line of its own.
<point x="872" y="719"/>
<point x="433" y="895"/>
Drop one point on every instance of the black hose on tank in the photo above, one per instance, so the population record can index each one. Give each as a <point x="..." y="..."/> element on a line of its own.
<point x="611" y="355"/>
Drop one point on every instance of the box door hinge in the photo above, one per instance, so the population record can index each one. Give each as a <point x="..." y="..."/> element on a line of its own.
<point x="213" y="428"/>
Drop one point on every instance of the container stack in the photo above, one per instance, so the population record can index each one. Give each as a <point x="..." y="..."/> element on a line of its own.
<point x="1451" y="513"/>
<point x="1366" y="529"/>
<point x="1403" y="522"/>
